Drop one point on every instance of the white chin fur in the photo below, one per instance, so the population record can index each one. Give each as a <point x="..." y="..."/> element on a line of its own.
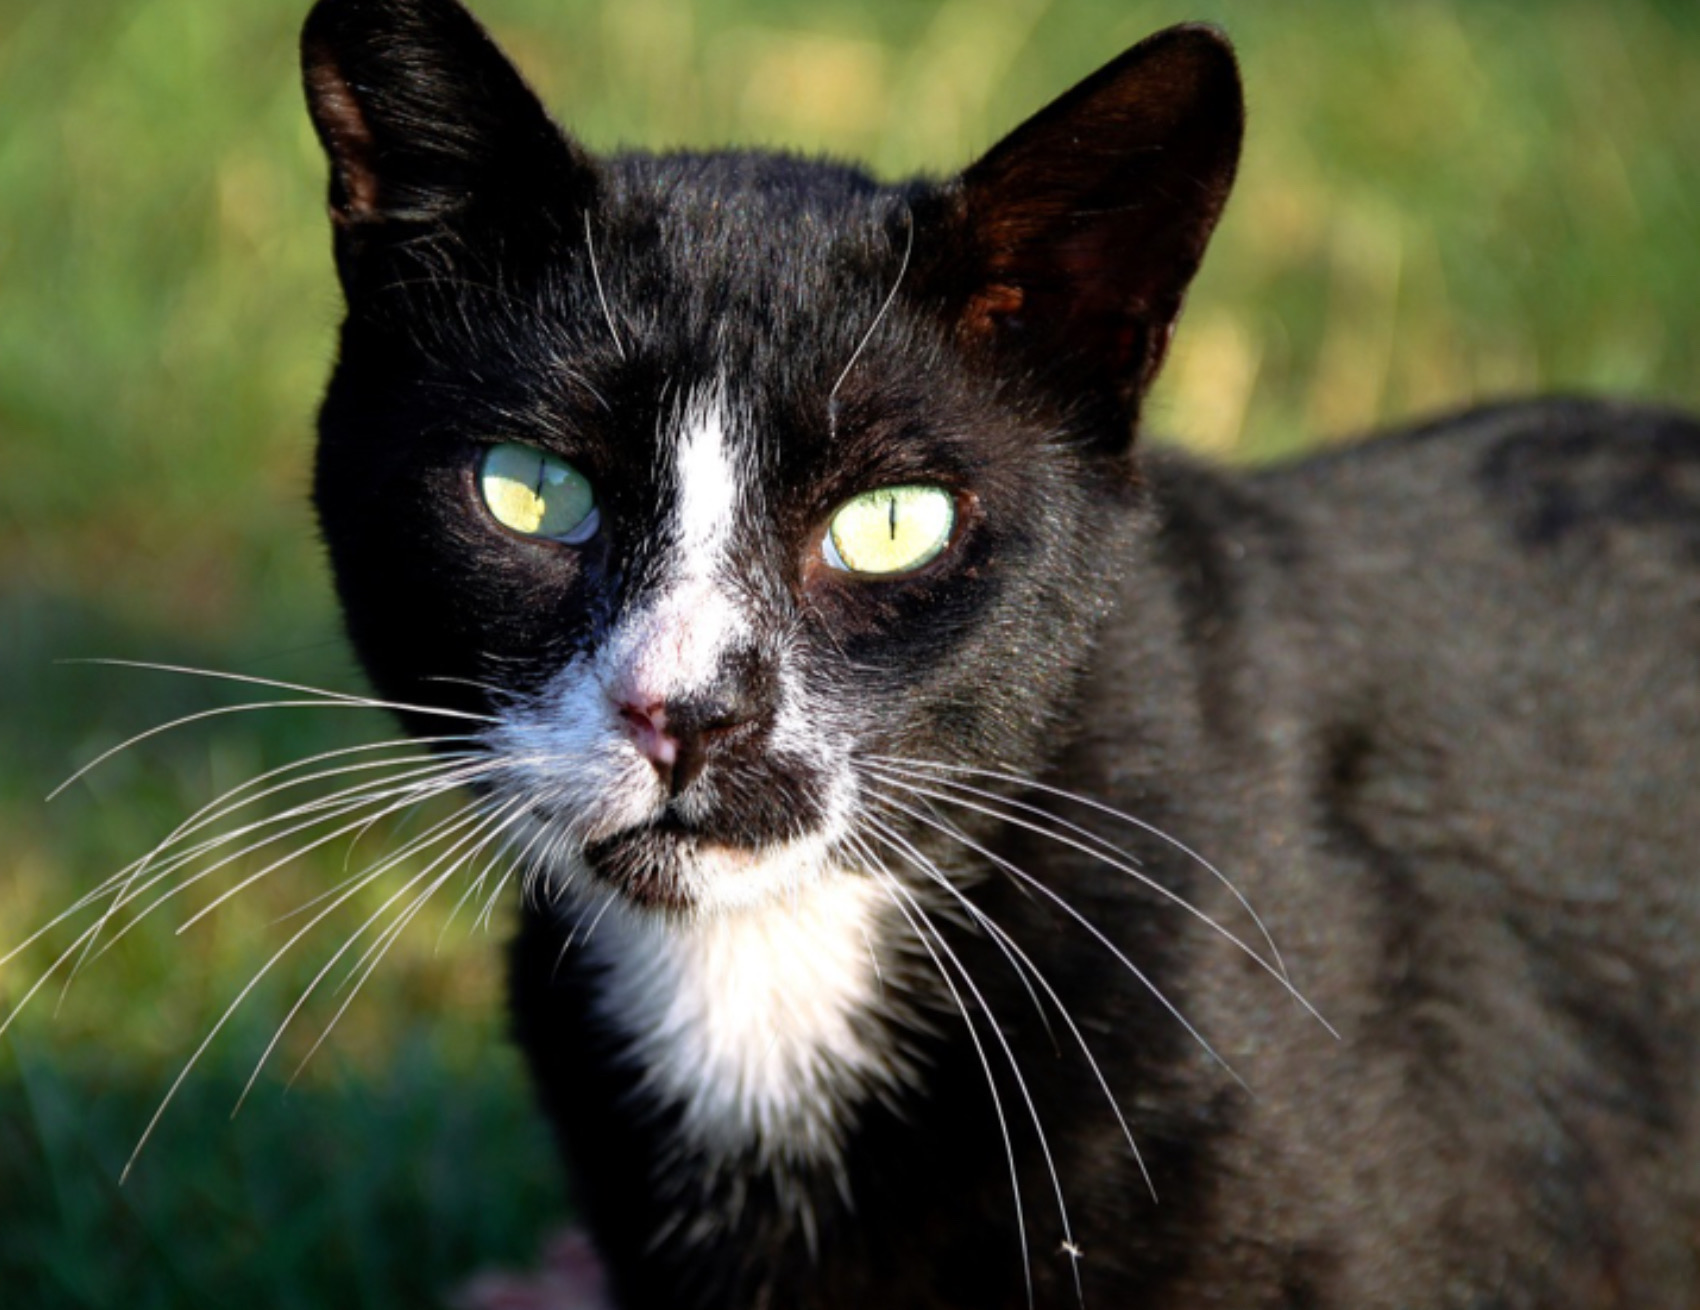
<point x="763" y="1021"/>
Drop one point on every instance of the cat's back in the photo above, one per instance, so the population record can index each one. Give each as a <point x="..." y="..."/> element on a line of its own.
<point x="1448" y="703"/>
<point x="1479" y="643"/>
<point x="1513" y="597"/>
<point x="1586" y="488"/>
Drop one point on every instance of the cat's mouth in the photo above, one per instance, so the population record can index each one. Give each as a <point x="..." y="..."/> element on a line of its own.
<point x="670" y="865"/>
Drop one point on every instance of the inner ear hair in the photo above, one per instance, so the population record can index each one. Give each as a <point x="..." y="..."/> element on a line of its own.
<point x="1083" y="227"/>
<point x="347" y="138"/>
<point x="423" y="116"/>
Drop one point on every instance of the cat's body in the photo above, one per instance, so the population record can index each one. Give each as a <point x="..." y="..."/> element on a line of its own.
<point x="1464" y="817"/>
<point x="871" y="872"/>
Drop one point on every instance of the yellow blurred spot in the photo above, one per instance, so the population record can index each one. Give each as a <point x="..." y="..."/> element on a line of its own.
<point x="1367" y="256"/>
<point x="814" y="87"/>
<point x="1213" y="375"/>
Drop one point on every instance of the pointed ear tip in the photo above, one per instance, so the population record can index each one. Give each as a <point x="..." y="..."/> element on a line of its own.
<point x="1203" y="45"/>
<point x="322" y="32"/>
<point x="332" y="22"/>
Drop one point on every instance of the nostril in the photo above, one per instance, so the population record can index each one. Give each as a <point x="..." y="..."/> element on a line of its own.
<point x="647" y="727"/>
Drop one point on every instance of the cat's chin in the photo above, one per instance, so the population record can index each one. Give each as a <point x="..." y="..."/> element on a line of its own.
<point x="675" y="873"/>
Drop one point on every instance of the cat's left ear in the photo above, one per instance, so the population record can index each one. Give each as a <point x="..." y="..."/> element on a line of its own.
<point x="1076" y="236"/>
<point x="428" y="127"/>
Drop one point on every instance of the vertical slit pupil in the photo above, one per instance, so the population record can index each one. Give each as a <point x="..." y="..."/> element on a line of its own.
<point x="892" y="515"/>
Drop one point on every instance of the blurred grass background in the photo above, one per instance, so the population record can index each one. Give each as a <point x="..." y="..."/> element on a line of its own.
<point x="1441" y="201"/>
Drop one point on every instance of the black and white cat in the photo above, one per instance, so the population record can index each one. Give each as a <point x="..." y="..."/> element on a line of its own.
<point x="893" y="757"/>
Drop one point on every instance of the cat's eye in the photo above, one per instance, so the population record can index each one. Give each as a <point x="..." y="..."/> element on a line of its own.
<point x="537" y="494"/>
<point x="889" y="531"/>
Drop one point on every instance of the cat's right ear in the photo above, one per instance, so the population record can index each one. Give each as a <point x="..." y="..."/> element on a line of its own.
<point x="1067" y="249"/>
<point x="428" y="127"/>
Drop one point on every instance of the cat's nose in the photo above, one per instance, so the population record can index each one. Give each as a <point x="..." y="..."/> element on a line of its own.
<point x="681" y="736"/>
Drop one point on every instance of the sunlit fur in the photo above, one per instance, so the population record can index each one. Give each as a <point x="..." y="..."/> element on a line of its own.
<point x="912" y="942"/>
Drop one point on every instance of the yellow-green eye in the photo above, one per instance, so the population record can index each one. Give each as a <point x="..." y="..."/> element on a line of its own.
<point x="892" y="530"/>
<point x="534" y="493"/>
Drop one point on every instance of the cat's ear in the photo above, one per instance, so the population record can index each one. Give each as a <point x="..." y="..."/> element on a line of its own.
<point x="1078" y="233"/>
<point x="426" y="122"/>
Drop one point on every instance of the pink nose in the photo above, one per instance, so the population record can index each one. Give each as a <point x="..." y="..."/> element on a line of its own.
<point x="646" y="725"/>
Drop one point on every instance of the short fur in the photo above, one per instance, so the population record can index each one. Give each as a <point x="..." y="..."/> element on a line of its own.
<point x="1432" y="704"/>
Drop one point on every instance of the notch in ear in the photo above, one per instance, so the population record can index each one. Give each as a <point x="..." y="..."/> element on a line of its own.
<point x="1079" y="232"/>
<point x="425" y="120"/>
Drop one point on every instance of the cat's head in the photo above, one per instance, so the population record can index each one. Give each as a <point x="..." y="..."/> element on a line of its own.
<point x="709" y="478"/>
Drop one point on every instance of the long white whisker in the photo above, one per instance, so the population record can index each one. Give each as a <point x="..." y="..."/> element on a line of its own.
<point x="219" y="711"/>
<point x="413" y="844"/>
<point x="885" y="308"/>
<point x="933" y="873"/>
<point x="108" y="887"/>
<point x="1029" y="880"/>
<point x="253" y="791"/>
<point x="601" y="293"/>
<point x="350" y="698"/>
<point x="493" y="819"/>
<point x="475" y="885"/>
<point x="1109" y="811"/>
<point x="891" y="777"/>
<point x="224" y="806"/>
<point x="412" y="794"/>
<point x="553" y="842"/>
<point x="1015" y="1071"/>
<point x="419" y="792"/>
<point x="374" y="954"/>
<point x="411" y="787"/>
<point x="898" y="895"/>
<point x="253" y="982"/>
<point x="80" y="944"/>
<point x="1018" y="958"/>
<point x="462" y="821"/>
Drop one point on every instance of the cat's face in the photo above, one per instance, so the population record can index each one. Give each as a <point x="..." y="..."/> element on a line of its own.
<point x="708" y="479"/>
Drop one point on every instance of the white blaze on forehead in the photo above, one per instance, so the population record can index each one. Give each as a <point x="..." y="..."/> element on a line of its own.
<point x="709" y="486"/>
<point x="674" y="644"/>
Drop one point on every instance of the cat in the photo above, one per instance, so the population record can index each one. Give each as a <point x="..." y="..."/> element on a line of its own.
<point x="971" y="860"/>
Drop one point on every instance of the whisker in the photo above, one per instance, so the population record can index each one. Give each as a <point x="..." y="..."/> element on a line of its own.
<point x="1020" y="1080"/>
<point x="1019" y="959"/>
<point x="607" y="904"/>
<point x="412" y="844"/>
<point x="975" y="915"/>
<point x="885" y="308"/>
<point x="226" y="804"/>
<point x="417" y="792"/>
<point x="493" y="819"/>
<point x="1109" y="811"/>
<point x="164" y="872"/>
<point x="1098" y="935"/>
<point x="122" y="887"/>
<point x="601" y="293"/>
<point x="475" y="820"/>
<point x="247" y="989"/>
<point x="323" y="701"/>
<point x="183" y="721"/>
<point x="897" y="895"/>
<point x="374" y="954"/>
<point x="475" y="884"/>
<point x="252" y="680"/>
<point x="221" y="808"/>
<point x="410" y="795"/>
<point x="1279" y="974"/>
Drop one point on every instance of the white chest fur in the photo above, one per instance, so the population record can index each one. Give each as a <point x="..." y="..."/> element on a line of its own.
<point x="761" y="1024"/>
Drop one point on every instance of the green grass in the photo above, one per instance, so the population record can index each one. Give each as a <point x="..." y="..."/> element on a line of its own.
<point x="1441" y="201"/>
